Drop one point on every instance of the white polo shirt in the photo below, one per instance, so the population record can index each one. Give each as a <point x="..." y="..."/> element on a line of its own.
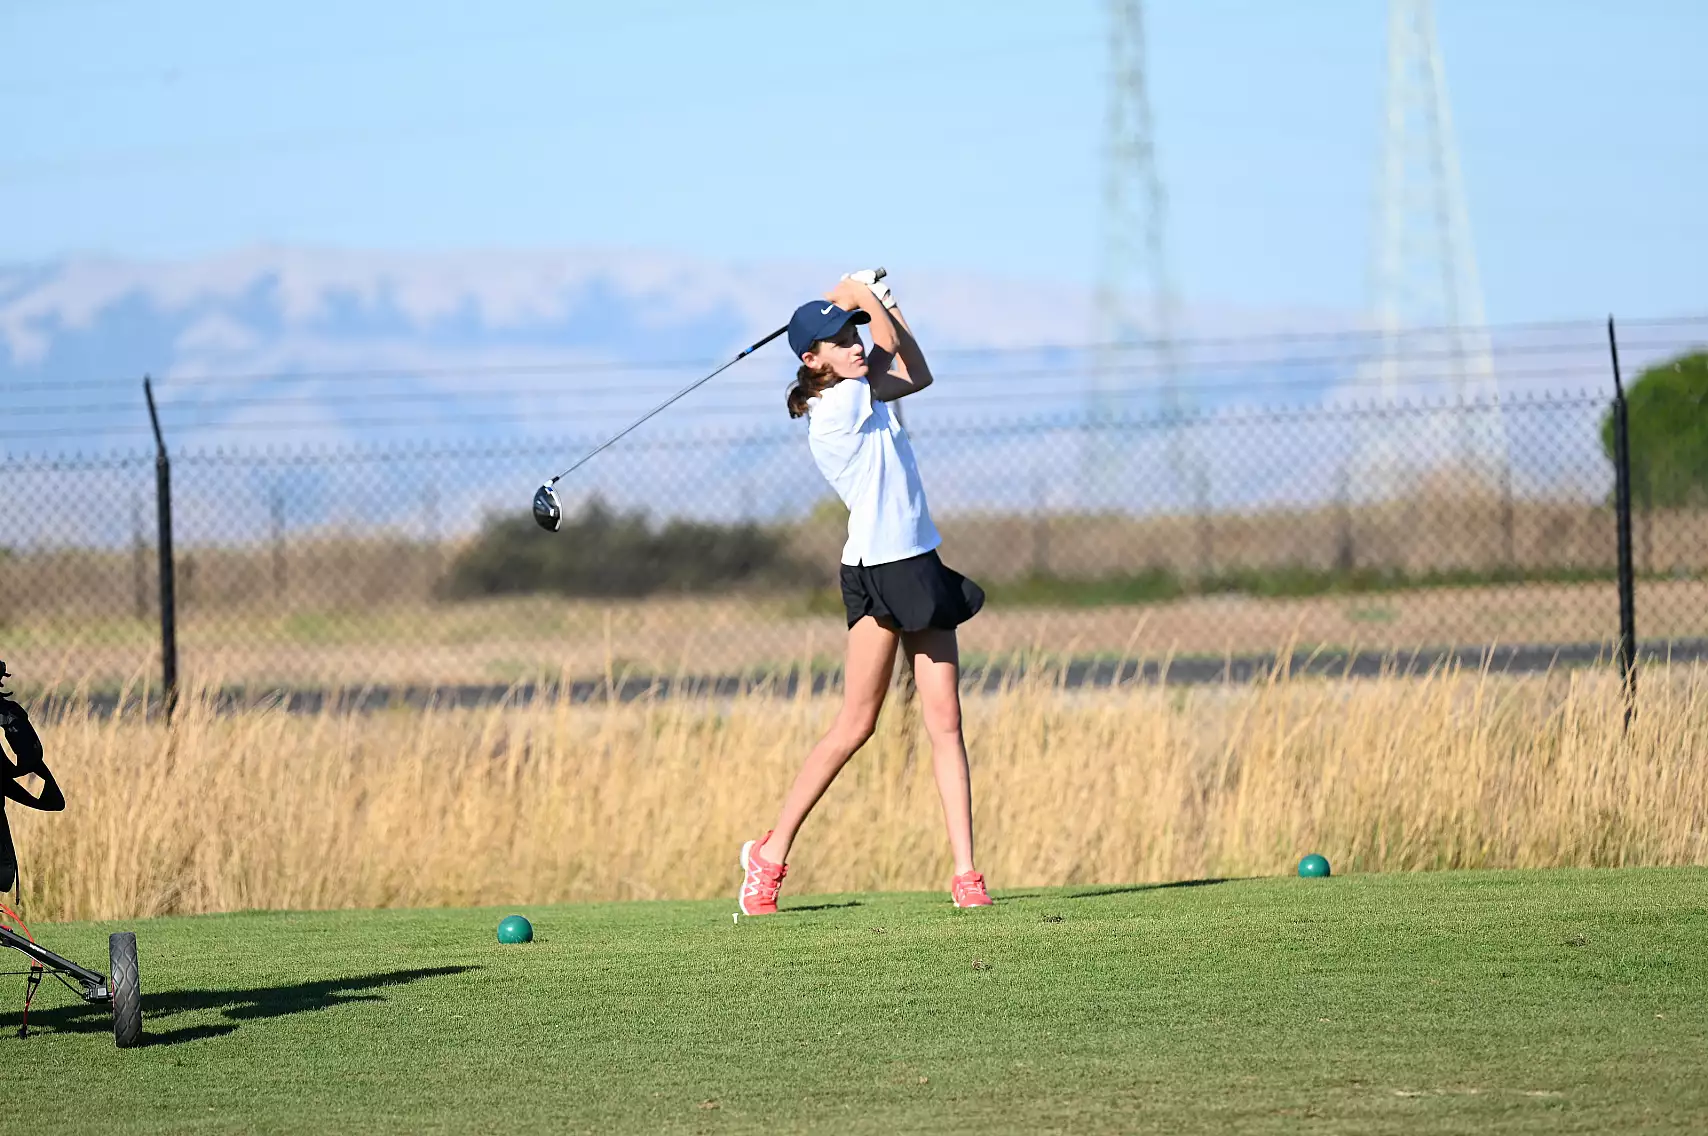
<point x="863" y="451"/>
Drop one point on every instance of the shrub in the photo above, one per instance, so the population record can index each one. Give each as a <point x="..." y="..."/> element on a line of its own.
<point x="600" y="552"/>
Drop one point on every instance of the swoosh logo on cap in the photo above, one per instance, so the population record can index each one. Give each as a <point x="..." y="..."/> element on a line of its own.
<point x="827" y="310"/>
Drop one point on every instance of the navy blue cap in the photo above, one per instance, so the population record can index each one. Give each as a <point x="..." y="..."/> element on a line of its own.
<point x="818" y="320"/>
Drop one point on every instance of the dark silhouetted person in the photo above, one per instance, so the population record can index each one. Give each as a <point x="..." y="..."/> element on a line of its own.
<point x="21" y="736"/>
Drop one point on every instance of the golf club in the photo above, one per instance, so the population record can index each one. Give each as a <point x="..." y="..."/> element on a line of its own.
<point x="549" y="512"/>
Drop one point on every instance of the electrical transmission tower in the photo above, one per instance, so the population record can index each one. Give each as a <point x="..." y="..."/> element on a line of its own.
<point x="1136" y="301"/>
<point x="1428" y="298"/>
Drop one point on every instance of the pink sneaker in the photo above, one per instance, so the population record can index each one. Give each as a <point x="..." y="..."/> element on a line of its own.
<point x="967" y="890"/>
<point x="760" y="880"/>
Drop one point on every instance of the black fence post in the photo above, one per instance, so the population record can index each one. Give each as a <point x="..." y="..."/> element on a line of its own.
<point x="1622" y="508"/>
<point x="168" y="584"/>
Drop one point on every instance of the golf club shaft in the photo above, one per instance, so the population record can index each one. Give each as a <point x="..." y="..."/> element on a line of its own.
<point x="631" y="427"/>
<point x="877" y="274"/>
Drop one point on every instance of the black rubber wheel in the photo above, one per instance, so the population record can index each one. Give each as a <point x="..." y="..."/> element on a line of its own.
<point x="127" y="990"/>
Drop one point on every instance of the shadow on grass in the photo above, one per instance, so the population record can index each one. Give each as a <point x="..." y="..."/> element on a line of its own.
<point x="1130" y="889"/>
<point x="817" y="907"/>
<point x="236" y="1006"/>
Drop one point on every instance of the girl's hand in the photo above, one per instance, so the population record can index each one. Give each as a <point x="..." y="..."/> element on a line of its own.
<point x="869" y="277"/>
<point x="849" y="295"/>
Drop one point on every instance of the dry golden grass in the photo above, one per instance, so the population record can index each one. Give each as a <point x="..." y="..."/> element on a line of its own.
<point x="530" y="637"/>
<point x="544" y="803"/>
<point x="1439" y="528"/>
<point x="1436" y="530"/>
<point x="333" y="608"/>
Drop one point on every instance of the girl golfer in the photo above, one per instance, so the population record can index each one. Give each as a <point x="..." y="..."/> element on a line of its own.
<point x="894" y="586"/>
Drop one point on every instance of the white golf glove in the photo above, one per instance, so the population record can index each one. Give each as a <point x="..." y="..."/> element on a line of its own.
<point x="869" y="277"/>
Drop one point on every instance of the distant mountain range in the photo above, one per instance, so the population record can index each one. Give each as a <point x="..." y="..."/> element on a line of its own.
<point x="328" y="346"/>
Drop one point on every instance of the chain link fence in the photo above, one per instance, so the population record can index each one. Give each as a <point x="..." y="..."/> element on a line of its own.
<point x="1394" y="530"/>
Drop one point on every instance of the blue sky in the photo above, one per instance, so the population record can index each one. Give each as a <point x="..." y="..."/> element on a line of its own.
<point x="949" y="135"/>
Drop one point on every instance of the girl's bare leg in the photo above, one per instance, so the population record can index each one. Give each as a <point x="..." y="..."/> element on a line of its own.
<point x="936" y="661"/>
<point x="866" y="678"/>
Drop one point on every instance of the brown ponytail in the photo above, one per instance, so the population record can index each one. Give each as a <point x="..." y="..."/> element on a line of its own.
<point x="808" y="384"/>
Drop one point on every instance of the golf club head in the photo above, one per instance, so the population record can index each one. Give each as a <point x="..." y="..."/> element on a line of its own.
<point x="547" y="511"/>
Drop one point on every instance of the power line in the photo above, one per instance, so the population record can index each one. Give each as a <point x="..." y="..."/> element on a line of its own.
<point x="1554" y="400"/>
<point x="433" y="396"/>
<point x="455" y="416"/>
<point x="293" y="64"/>
<point x="1598" y="368"/>
<point x="172" y="382"/>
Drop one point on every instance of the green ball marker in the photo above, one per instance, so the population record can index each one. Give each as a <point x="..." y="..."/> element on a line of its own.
<point x="515" y="929"/>
<point x="1313" y="867"/>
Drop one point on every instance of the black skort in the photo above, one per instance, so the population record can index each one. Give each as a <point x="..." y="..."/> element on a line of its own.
<point x="911" y="594"/>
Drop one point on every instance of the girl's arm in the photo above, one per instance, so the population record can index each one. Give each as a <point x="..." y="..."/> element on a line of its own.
<point x="910" y="373"/>
<point x="897" y="365"/>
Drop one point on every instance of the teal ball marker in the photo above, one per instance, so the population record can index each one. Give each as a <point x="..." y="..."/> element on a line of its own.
<point x="515" y="929"/>
<point x="1313" y="867"/>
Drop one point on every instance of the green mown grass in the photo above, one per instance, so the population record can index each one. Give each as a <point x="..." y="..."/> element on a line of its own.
<point x="1569" y="1001"/>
